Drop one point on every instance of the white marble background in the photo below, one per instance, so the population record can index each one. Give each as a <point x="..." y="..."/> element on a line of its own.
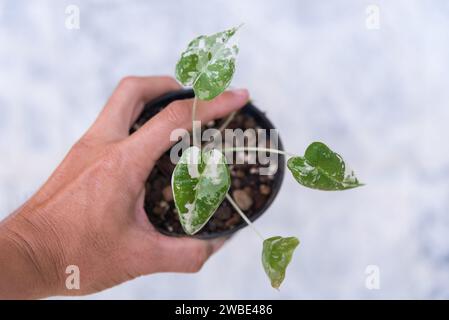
<point x="379" y="97"/>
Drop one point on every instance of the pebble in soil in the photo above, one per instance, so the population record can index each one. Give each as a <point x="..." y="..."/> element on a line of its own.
<point x="249" y="189"/>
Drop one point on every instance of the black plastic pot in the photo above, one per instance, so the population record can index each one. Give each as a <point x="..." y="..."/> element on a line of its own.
<point x="154" y="106"/>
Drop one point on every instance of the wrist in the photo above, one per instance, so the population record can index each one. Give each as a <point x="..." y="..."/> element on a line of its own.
<point x="28" y="265"/>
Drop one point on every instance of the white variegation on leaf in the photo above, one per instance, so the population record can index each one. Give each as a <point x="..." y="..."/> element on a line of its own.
<point x="208" y="64"/>
<point x="200" y="182"/>
<point x="322" y="169"/>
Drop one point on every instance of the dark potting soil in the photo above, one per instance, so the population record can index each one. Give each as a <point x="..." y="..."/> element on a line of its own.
<point x="249" y="189"/>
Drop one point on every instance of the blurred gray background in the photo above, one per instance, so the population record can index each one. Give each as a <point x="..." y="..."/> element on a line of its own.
<point x="319" y="69"/>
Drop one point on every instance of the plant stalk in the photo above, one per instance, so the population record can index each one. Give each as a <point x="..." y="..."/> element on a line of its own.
<point x="196" y="143"/>
<point x="236" y="207"/>
<point x="225" y="124"/>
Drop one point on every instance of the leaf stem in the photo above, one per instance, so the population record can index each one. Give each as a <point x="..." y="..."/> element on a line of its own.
<point x="237" y="149"/>
<point x="227" y="122"/>
<point x="224" y="125"/>
<point x="236" y="207"/>
<point x="194" y="123"/>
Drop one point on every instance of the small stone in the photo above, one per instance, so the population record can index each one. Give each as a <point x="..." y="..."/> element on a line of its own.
<point x="250" y="123"/>
<point x="231" y="223"/>
<point x="240" y="174"/>
<point x="242" y="199"/>
<point x="249" y="190"/>
<point x="254" y="170"/>
<point x="167" y="193"/>
<point x="264" y="189"/>
<point x="223" y="213"/>
<point x="239" y="118"/>
<point x="158" y="210"/>
<point x="237" y="183"/>
<point x="164" y="205"/>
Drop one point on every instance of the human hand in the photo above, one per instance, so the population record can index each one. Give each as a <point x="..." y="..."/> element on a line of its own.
<point x="90" y="211"/>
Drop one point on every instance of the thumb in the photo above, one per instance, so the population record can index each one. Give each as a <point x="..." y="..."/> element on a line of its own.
<point x="153" y="139"/>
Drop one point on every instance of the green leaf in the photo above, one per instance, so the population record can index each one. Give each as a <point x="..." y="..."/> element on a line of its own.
<point x="200" y="182"/>
<point x="276" y="255"/>
<point x="208" y="64"/>
<point x="322" y="169"/>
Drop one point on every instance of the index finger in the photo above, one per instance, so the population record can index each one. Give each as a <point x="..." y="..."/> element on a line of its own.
<point x="126" y="103"/>
<point x="149" y="143"/>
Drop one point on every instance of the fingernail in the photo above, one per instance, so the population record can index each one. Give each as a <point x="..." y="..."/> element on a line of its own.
<point x="240" y="92"/>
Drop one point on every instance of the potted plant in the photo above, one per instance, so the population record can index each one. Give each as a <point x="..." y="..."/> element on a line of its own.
<point x="204" y="195"/>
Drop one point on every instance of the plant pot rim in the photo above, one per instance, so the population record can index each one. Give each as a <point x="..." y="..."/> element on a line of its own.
<point x="261" y="120"/>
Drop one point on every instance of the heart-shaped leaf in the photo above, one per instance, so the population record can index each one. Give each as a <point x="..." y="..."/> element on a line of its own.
<point x="200" y="182"/>
<point x="208" y="64"/>
<point x="322" y="169"/>
<point x="276" y="255"/>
